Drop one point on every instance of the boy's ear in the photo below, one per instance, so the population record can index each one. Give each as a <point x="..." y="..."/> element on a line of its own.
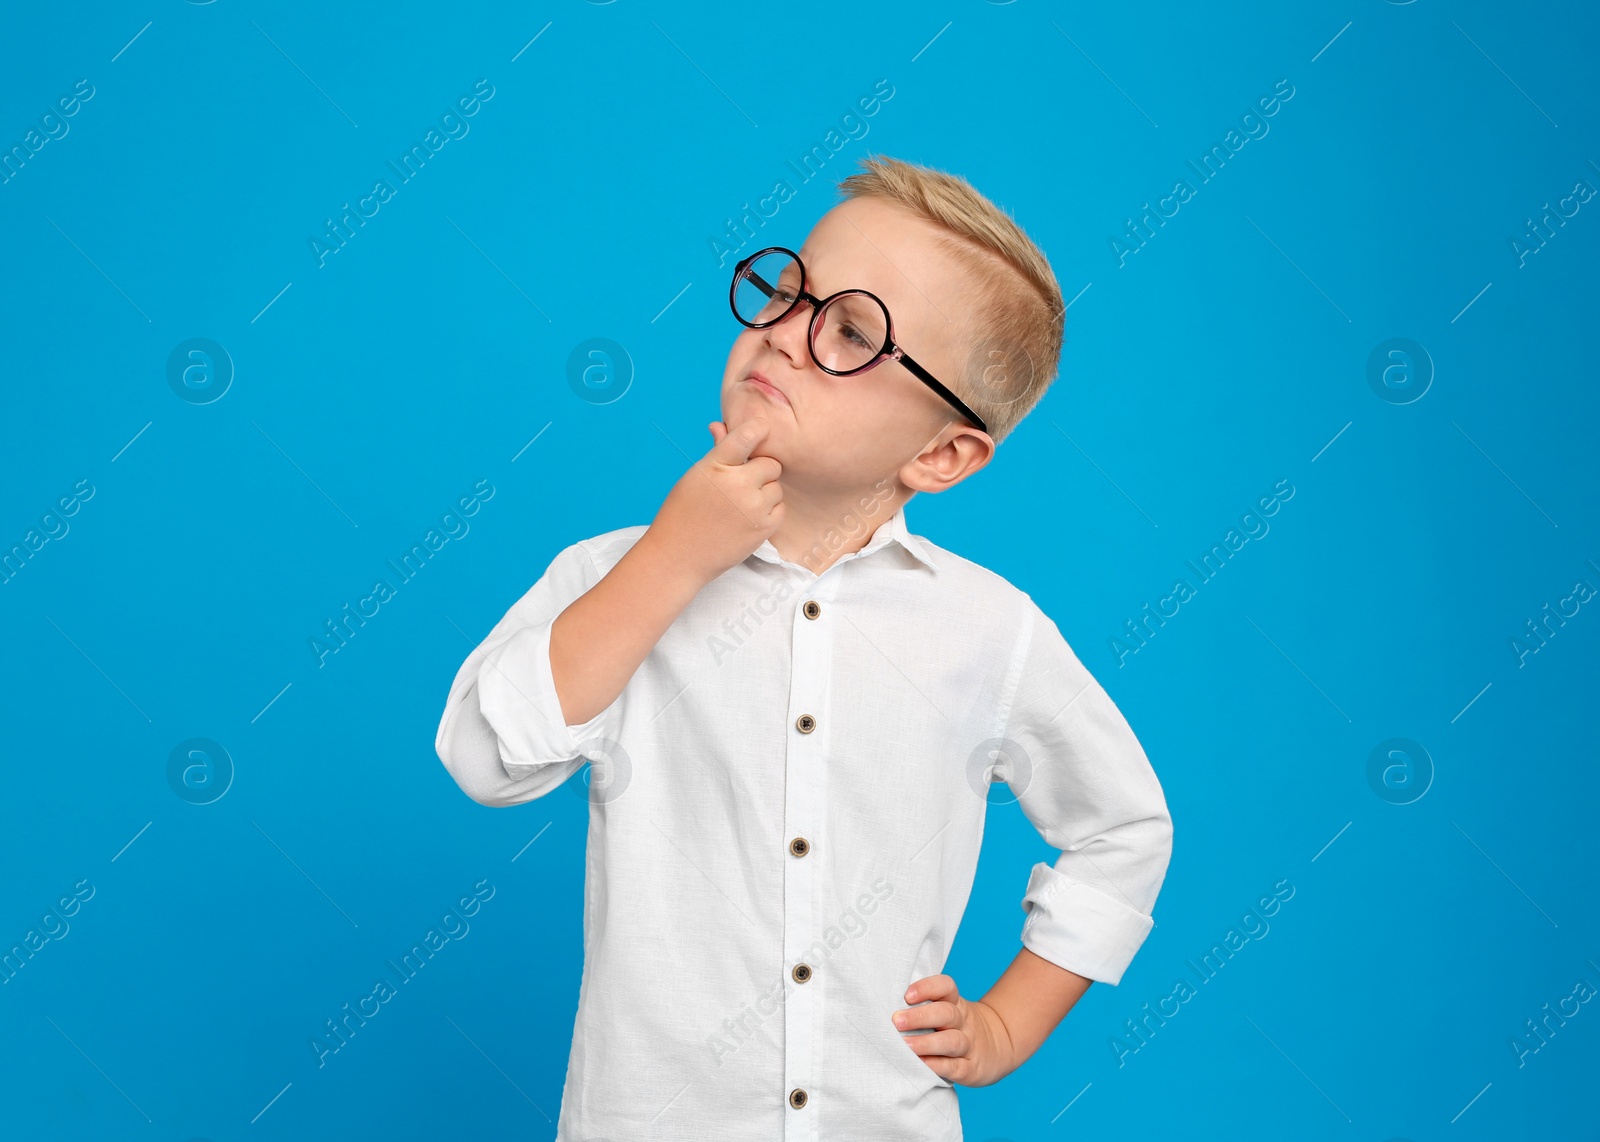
<point x="963" y="455"/>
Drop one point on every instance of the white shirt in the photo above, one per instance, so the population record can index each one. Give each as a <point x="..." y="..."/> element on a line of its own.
<point x="731" y="852"/>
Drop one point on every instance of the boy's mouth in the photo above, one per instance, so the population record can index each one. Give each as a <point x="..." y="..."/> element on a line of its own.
<point x="763" y="385"/>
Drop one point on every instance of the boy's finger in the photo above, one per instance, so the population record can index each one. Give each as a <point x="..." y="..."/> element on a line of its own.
<point x="931" y="987"/>
<point x="716" y="435"/>
<point x="736" y="446"/>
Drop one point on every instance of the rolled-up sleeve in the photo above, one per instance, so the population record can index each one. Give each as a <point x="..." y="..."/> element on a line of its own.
<point x="1082" y="779"/>
<point x="503" y="737"/>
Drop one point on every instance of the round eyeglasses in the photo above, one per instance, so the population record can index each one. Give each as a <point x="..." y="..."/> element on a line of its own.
<point x="850" y="331"/>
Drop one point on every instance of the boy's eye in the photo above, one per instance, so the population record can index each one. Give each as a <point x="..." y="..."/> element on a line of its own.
<point x="852" y="334"/>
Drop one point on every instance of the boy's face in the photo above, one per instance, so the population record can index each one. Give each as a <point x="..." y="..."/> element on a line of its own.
<point x="838" y="435"/>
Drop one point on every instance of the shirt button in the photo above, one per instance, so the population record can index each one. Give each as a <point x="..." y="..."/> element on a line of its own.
<point x="799" y="846"/>
<point x="805" y="723"/>
<point x="801" y="972"/>
<point x="797" y="1097"/>
<point x="812" y="609"/>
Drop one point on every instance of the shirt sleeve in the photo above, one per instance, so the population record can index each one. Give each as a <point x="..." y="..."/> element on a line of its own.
<point x="1084" y="782"/>
<point x="503" y="737"/>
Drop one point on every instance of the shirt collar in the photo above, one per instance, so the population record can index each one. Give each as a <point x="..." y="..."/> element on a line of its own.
<point x="891" y="530"/>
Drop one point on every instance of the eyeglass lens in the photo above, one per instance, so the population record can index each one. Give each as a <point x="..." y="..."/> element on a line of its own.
<point x="850" y="332"/>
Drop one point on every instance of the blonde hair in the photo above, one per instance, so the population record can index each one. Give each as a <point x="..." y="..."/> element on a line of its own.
<point x="1016" y="329"/>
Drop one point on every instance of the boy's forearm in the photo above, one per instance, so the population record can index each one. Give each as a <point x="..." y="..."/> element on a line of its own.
<point x="1031" y="998"/>
<point x="598" y="642"/>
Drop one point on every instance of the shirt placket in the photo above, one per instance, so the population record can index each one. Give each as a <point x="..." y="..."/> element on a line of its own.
<point x="805" y="790"/>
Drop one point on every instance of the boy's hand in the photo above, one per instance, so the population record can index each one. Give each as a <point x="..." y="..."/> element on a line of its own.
<point x="724" y="507"/>
<point x="970" y="1045"/>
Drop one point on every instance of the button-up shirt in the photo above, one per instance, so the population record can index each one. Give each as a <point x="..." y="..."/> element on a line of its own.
<point x="786" y="806"/>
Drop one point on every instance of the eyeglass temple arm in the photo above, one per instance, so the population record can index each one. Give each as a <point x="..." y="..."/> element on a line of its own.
<point x="927" y="378"/>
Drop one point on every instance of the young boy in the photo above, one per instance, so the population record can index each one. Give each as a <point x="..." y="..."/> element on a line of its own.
<point x="794" y="708"/>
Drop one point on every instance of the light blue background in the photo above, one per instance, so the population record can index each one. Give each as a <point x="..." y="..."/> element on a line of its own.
<point x="371" y="393"/>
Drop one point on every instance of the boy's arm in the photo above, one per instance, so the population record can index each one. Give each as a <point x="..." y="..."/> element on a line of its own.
<point x="598" y="642"/>
<point x="721" y="510"/>
<point x="503" y="737"/>
<point x="1030" y="999"/>
<point x="1084" y="782"/>
<point x="567" y="648"/>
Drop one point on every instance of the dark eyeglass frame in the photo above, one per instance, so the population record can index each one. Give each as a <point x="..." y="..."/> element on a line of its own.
<point x="889" y="351"/>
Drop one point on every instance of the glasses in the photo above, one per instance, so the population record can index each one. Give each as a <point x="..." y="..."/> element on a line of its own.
<point x="850" y="330"/>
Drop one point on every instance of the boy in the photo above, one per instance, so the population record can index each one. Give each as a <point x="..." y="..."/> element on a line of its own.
<point x="794" y="708"/>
